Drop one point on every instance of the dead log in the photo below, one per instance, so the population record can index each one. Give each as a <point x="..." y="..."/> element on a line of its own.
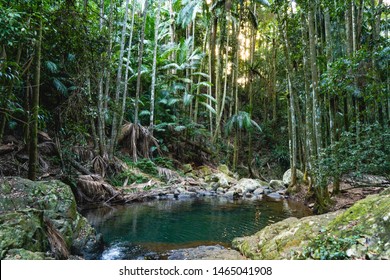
<point x="79" y="167"/>
<point x="93" y="189"/>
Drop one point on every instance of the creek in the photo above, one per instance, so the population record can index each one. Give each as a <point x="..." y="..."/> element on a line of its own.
<point x="153" y="229"/>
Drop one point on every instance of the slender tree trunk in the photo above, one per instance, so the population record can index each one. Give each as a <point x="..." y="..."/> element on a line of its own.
<point x="291" y="107"/>
<point x="314" y="78"/>
<point x="308" y="101"/>
<point x="140" y="59"/>
<point x="321" y="189"/>
<point x="33" y="163"/>
<point x="119" y="81"/>
<point x="154" y="67"/>
<point x="222" y="104"/>
<point x="124" y="97"/>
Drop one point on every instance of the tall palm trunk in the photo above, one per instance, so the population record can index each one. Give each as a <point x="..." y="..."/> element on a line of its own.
<point x="154" y="67"/>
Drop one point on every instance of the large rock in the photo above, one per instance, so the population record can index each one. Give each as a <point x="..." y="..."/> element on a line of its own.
<point x="187" y="168"/>
<point x="36" y="208"/>
<point x="276" y="184"/>
<point x="247" y="185"/>
<point x="220" y="180"/>
<point x="287" y="177"/>
<point x="215" y="252"/>
<point x="360" y="232"/>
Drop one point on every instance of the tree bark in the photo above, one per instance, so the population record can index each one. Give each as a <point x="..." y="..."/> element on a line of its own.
<point x="154" y="67"/>
<point x="33" y="163"/>
<point x="119" y="82"/>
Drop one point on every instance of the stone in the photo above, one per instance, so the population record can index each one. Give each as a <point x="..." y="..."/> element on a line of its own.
<point x="275" y="195"/>
<point x="203" y="171"/>
<point x="247" y="185"/>
<point x="220" y="190"/>
<point x="231" y="194"/>
<point x="287" y="177"/>
<point x="223" y="180"/>
<point x="180" y="190"/>
<point x="224" y="169"/>
<point x="258" y="191"/>
<point x="22" y="254"/>
<point x="187" y="168"/>
<point x="28" y="207"/>
<point x="276" y="184"/>
<point x="215" y="252"/>
<point x="364" y="226"/>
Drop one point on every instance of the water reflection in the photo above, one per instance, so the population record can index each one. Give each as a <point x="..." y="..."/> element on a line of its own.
<point x="164" y="225"/>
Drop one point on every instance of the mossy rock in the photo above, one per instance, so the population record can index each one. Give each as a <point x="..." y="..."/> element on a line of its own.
<point x="203" y="171"/>
<point x="280" y="240"/>
<point x="360" y="232"/>
<point x="187" y="168"/>
<point x="22" y="254"/>
<point x="22" y="229"/>
<point x="224" y="169"/>
<point x="51" y="201"/>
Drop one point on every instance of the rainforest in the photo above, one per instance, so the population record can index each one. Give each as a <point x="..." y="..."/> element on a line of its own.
<point x="194" y="129"/>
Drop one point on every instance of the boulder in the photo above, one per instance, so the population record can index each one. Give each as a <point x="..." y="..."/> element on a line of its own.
<point x="287" y="177"/>
<point x="276" y="184"/>
<point x="216" y="252"/>
<point x="203" y="171"/>
<point x="360" y="232"/>
<point x="220" y="180"/>
<point x="247" y="185"/>
<point x="41" y="211"/>
<point x="187" y="168"/>
<point x="275" y="195"/>
<point x="258" y="191"/>
<point x="224" y="169"/>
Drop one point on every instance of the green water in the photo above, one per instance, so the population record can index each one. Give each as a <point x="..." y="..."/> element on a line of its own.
<point x="134" y="230"/>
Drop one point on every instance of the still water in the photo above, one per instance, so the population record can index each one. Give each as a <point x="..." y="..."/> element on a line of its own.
<point x="136" y="230"/>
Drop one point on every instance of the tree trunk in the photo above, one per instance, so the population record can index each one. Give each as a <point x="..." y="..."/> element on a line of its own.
<point x="119" y="81"/>
<point x="140" y="59"/>
<point x="154" y="67"/>
<point x="33" y="163"/>
<point x="314" y="78"/>
<point x="124" y="97"/>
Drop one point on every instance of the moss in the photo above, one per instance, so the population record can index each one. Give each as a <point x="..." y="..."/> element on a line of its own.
<point x="52" y="201"/>
<point x="362" y="231"/>
<point x="22" y="229"/>
<point x="22" y="254"/>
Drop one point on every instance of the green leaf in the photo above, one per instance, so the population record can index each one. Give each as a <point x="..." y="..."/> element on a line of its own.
<point x="60" y="86"/>
<point x="187" y="99"/>
<point x="180" y="128"/>
<point x="211" y="109"/>
<point x="144" y="113"/>
<point x="51" y="66"/>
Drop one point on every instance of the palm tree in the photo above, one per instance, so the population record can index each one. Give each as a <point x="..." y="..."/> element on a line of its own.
<point x="238" y="123"/>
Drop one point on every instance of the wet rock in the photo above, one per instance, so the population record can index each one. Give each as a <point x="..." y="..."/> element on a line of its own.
<point x="275" y="195"/>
